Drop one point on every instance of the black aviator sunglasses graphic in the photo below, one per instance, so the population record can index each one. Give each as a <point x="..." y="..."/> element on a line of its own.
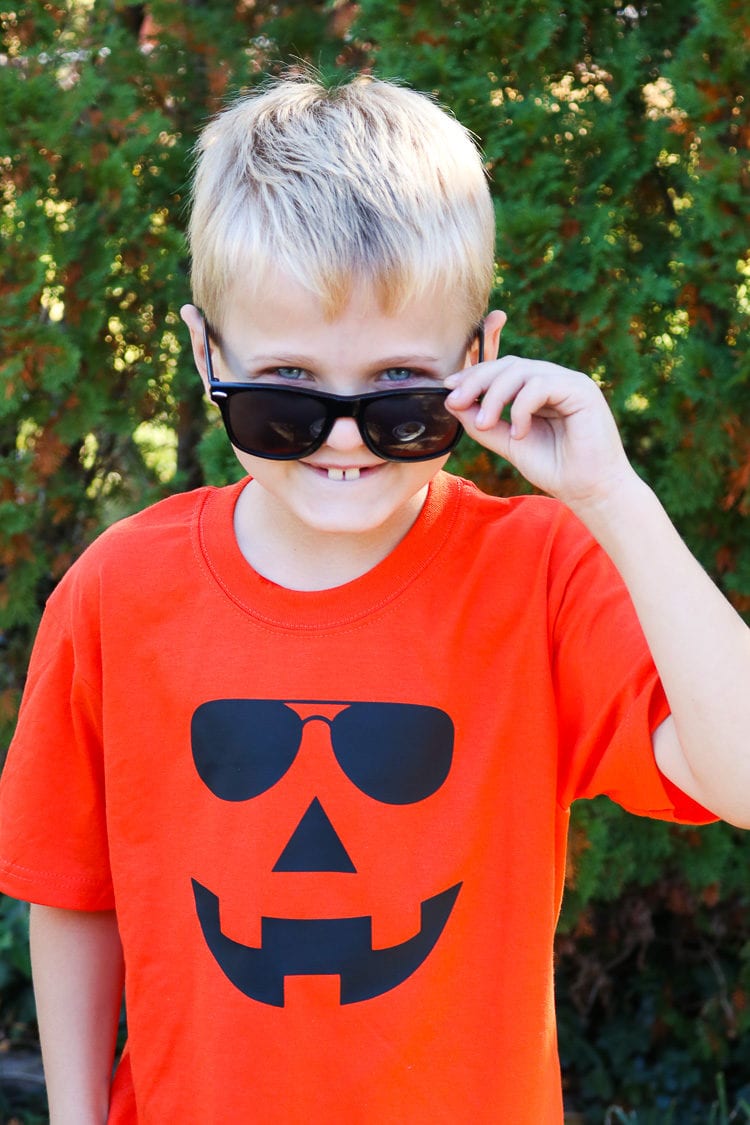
<point x="286" y="423"/>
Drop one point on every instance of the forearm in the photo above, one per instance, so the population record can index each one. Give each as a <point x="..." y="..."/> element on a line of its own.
<point x="78" y="979"/>
<point x="700" y="646"/>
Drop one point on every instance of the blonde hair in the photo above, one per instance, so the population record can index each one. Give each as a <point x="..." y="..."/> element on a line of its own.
<point x="367" y="181"/>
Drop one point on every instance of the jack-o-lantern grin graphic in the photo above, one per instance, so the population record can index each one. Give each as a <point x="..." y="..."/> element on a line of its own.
<point x="394" y="753"/>
<point x="326" y="946"/>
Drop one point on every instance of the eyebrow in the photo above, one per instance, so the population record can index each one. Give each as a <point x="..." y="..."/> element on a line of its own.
<point x="402" y="360"/>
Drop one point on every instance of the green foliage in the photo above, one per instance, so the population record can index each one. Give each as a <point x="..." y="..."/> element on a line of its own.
<point x="616" y="142"/>
<point x="719" y="1112"/>
<point x="16" y="997"/>
<point x="653" y="966"/>
<point x="14" y="941"/>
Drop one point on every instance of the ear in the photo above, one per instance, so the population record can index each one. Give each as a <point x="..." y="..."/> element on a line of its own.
<point x="492" y="326"/>
<point x="494" y="323"/>
<point x="194" y="321"/>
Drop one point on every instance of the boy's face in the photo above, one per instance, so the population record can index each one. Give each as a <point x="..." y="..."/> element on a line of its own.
<point x="284" y="338"/>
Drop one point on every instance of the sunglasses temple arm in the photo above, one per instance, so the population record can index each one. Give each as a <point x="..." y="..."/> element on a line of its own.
<point x="207" y="352"/>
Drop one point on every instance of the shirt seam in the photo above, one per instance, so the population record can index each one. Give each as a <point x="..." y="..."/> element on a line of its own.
<point x="33" y="874"/>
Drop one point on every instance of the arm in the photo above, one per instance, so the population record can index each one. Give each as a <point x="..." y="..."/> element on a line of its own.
<point x="563" y="438"/>
<point x="700" y="646"/>
<point x="78" y="979"/>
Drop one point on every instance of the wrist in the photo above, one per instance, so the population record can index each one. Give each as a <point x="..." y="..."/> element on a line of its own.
<point x="619" y="511"/>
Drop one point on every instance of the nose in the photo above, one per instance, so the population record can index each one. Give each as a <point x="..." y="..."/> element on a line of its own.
<point x="315" y="845"/>
<point x="344" y="435"/>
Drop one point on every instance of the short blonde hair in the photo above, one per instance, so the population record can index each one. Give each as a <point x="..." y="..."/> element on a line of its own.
<point x="367" y="181"/>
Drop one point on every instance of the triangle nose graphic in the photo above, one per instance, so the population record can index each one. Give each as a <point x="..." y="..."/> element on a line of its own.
<point x="314" y="845"/>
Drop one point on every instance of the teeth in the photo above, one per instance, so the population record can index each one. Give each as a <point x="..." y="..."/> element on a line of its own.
<point x="343" y="474"/>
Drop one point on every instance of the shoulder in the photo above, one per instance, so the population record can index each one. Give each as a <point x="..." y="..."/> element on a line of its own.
<point x="173" y="514"/>
<point x="133" y="551"/>
<point x="532" y="517"/>
<point x="531" y="541"/>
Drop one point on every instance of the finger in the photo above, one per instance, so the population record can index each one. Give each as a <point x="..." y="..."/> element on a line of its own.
<point x="472" y="383"/>
<point x="499" y="439"/>
<point x="502" y="392"/>
<point x="549" y="395"/>
<point x="490" y="396"/>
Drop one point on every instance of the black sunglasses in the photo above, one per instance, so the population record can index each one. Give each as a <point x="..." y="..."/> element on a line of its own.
<point x="396" y="753"/>
<point x="284" y="423"/>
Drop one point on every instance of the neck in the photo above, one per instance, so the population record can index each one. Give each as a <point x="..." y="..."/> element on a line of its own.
<point x="288" y="552"/>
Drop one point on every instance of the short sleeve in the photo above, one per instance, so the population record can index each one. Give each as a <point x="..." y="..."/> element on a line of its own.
<point x="609" y="696"/>
<point x="53" y="839"/>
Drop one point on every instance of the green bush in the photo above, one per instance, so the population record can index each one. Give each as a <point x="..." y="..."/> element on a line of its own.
<point x="653" y="966"/>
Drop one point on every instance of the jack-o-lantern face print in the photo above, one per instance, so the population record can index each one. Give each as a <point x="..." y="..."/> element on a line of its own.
<point x="395" y="754"/>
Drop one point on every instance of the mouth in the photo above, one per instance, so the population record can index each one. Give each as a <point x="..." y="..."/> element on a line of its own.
<point x="320" y="947"/>
<point x="343" y="474"/>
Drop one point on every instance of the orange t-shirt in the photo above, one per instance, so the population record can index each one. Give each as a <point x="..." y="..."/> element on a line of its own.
<point x="332" y="824"/>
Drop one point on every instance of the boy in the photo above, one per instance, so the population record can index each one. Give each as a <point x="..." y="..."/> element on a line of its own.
<point x="300" y="752"/>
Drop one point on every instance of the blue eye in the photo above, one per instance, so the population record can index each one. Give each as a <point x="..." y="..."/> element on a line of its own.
<point x="293" y="374"/>
<point x="398" y="374"/>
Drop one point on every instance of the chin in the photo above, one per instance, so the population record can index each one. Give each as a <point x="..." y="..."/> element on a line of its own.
<point x="357" y="524"/>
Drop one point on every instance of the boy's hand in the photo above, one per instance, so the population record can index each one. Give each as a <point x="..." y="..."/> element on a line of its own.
<point x="561" y="435"/>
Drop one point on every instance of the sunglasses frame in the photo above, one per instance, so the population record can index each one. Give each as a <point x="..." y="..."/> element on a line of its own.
<point x="336" y="406"/>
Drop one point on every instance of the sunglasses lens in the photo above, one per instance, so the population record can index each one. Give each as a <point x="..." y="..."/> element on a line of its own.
<point x="397" y="753"/>
<point x="274" y="423"/>
<point x="242" y="747"/>
<point x="412" y="426"/>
